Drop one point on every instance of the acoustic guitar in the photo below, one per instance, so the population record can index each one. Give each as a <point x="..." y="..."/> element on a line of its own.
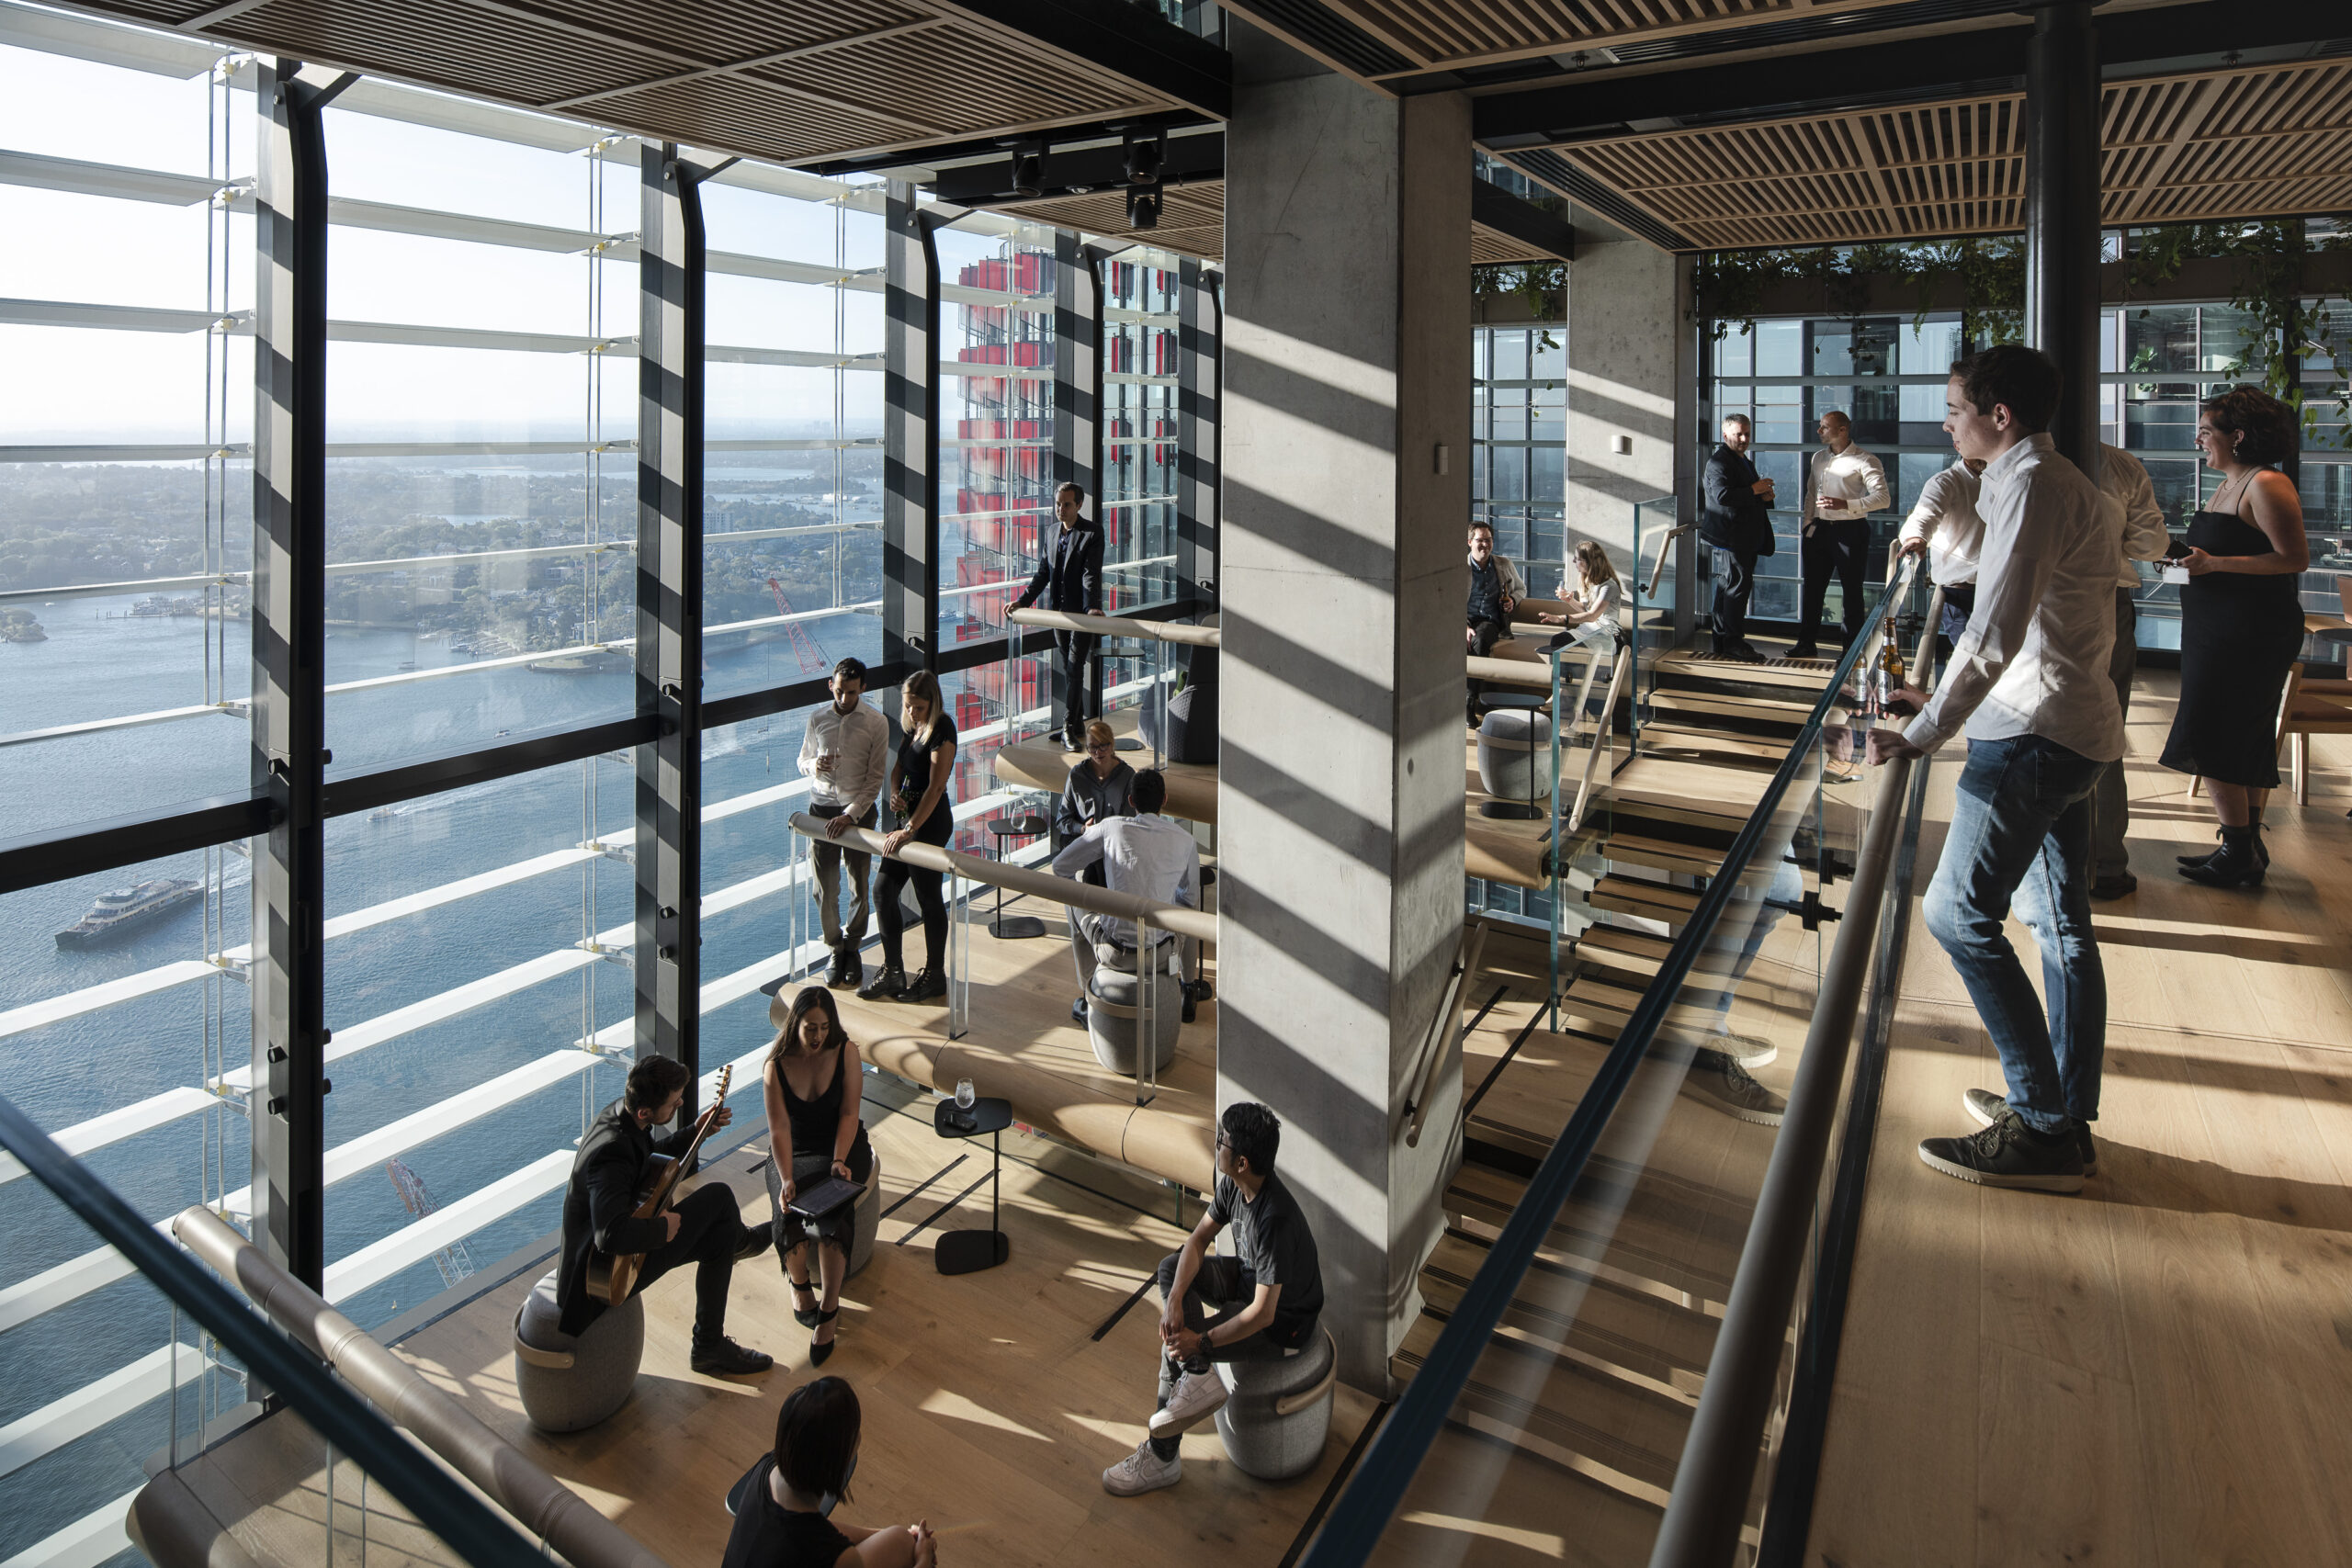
<point x="622" y="1279"/>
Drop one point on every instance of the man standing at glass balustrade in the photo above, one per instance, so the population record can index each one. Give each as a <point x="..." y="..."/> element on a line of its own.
<point x="1843" y="485"/>
<point x="2029" y="682"/>
<point x="844" y="754"/>
<point x="1069" y="579"/>
<point x="1737" y="520"/>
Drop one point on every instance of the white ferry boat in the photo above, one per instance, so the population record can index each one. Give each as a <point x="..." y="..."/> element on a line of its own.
<point x="127" y="910"/>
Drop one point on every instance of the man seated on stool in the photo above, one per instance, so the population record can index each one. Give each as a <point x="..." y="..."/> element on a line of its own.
<point x="609" y="1177"/>
<point x="1267" y="1297"/>
<point x="1149" y="856"/>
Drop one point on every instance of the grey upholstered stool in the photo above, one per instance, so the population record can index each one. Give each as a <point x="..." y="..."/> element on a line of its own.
<point x="1279" y="1412"/>
<point x="1515" y="755"/>
<point x="569" y="1381"/>
<point x="866" y="1217"/>
<point x="1112" y="1022"/>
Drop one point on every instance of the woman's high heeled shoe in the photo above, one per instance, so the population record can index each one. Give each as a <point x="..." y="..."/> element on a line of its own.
<point x="817" y="1352"/>
<point x="807" y="1317"/>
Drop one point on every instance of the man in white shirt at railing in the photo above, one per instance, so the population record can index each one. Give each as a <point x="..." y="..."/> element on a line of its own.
<point x="845" y="755"/>
<point x="1151" y="857"/>
<point x="1944" y="526"/>
<point x="1843" y="485"/>
<point x="2139" y="524"/>
<point x="2028" y="681"/>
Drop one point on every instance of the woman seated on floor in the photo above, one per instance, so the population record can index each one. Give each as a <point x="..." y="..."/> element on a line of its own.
<point x="815" y="1088"/>
<point x="784" y="1508"/>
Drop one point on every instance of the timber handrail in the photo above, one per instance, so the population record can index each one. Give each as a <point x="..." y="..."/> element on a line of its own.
<point x="1177" y="919"/>
<point x="1444" y="1028"/>
<point x="1509" y="672"/>
<point x="1665" y="552"/>
<point x="1601" y="729"/>
<point x="546" y="1508"/>
<point x="1114" y="625"/>
<point x="463" y="1522"/>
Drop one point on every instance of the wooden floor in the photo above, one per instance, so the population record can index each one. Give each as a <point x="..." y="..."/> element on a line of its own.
<point x="2159" y="1371"/>
<point x="992" y="1401"/>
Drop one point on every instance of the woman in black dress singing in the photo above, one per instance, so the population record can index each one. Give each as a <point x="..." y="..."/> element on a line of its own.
<point x="815" y="1087"/>
<point x="783" y="1508"/>
<point x="919" y="797"/>
<point x="2241" y="626"/>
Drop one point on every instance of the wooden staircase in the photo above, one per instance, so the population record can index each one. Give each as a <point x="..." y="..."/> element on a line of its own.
<point x="1564" y="1444"/>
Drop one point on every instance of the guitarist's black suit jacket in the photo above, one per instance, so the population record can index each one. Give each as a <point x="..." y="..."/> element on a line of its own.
<point x="608" y="1179"/>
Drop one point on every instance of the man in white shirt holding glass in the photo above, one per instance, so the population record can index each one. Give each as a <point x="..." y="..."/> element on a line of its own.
<point x="845" y="755"/>
<point x="2028" y="682"/>
<point x="1843" y="485"/>
<point x="1944" y="526"/>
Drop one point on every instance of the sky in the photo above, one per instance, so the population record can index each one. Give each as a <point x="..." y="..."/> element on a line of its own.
<point x="80" y="386"/>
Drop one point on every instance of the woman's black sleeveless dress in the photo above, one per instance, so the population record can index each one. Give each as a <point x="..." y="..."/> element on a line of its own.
<point x="814" y="1124"/>
<point x="2238" y="637"/>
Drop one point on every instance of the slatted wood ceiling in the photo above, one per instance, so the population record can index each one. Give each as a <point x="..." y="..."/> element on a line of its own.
<point x="2271" y="141"/>
<point x="790" y="80"/>
<point x="1443" y="34"/>
<point x="1192" y="222"/>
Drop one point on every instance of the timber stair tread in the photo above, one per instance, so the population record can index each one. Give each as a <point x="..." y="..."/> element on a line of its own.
<point x="1575" y="1311"/>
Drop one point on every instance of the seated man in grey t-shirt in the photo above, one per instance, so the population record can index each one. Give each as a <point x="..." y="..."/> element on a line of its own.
<point x="1260" y="1303"/>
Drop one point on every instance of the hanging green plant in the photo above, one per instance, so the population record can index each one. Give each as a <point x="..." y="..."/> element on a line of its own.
<point x="1537" y="286"/>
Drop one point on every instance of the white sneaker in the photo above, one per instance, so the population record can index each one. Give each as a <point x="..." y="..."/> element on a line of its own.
<point x="1195" y="1397"/>
<point x="1142" y="1472"/>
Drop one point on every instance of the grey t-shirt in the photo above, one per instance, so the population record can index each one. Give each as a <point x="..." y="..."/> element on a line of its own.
<point x="1272" y="1244"/>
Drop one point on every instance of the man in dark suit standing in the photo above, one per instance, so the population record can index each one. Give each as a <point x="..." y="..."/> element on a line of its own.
<point x="608" y="1177"/>
<point x="1071" y="579"/>
<point x="1736" y="518"/>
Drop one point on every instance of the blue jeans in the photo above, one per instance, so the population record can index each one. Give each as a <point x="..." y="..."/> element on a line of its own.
<point x="2021" y="828"/>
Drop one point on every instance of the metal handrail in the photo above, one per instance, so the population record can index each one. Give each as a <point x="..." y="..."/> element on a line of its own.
<point x="1459" y="981"/>
<point x="1707" y="1510"/>
<point x="1386" y="1470"/>
<point x="459" y="1518"/>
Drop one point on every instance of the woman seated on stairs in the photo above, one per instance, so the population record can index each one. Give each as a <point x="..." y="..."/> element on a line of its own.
<point x="1592" y="616"/>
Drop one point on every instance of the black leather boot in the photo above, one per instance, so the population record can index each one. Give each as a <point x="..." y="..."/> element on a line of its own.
<point x="2261" y="851"/>
<point x="887" y="985"/>
<point x="2238" y="862"/>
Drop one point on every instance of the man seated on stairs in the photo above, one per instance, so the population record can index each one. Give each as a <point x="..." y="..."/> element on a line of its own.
<point x="1495" y="593"/>
<point x="1262" y="1302"/>
<point x="1151" y="857"/>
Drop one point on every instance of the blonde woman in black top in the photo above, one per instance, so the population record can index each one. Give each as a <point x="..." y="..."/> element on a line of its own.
<point x="919" y="798"/>
<point x="815" y="1087"/>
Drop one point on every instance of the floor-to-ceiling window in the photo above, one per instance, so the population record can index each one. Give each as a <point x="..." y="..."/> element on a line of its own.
<point x="1518" y="442"/>
<point x="482" y="594"/>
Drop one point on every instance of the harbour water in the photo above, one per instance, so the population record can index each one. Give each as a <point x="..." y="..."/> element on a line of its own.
<point x="66" y="1071"/>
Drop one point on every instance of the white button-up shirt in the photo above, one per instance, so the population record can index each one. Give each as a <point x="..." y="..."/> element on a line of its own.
<point x="1852" y="476"/>
<point x="2133" y="512"/>
<point x="860" y="742"/>
<point x="1144" y="854"/>
<point x="1945" y="520"/>
<point x="2033" y="660"/>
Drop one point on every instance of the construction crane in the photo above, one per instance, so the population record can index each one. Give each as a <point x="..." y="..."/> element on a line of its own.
<point x="454" y="1263"/>
<point x="812" y="658"/>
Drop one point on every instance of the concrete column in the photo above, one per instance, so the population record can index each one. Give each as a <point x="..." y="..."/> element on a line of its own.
<point x="1633" y="383"/>
<point x="2062" y="210"/>
<point x="1347" y="440"/>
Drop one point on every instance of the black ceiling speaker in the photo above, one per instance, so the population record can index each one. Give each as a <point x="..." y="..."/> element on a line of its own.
<point x="1142" y="207"/>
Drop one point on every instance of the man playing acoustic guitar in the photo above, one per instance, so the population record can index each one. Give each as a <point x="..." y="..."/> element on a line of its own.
<point x="609" y="1178"/>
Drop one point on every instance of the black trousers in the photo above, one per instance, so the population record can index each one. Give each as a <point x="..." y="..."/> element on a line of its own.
<point x="710" y="1229"/>
<point x="1734" y="585"/>
<point x="1078" y="679"/>
<point x="930" y="897"/>
<point x="1486" y="634"/>
<point x="1842" y="548"/>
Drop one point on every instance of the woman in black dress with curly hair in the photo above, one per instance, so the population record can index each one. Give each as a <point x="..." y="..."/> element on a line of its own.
<point x="2241" y="625"/>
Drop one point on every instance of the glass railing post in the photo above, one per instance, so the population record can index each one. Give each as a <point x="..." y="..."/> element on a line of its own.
<point x="1555" y="844"/>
